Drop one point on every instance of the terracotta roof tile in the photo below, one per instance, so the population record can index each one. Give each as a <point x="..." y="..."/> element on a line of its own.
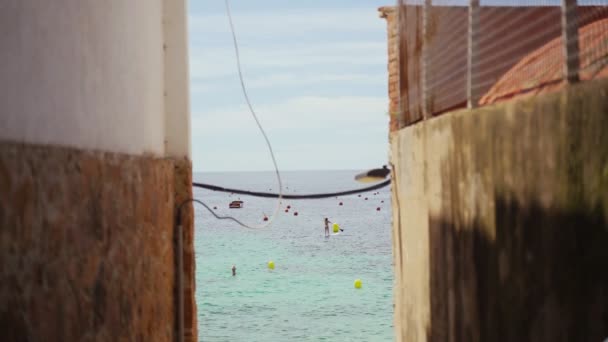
<point x="541" y="71"/>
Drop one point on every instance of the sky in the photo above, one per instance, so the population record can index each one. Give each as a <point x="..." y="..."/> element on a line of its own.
<point x="316" y="73"/>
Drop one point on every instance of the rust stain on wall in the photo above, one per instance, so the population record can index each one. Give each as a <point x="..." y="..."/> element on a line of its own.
<point x="86" y="245"/>
<point x="183" y="192"/>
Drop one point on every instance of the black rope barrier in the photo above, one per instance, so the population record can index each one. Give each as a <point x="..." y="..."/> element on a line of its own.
<point x="285" y="196"/>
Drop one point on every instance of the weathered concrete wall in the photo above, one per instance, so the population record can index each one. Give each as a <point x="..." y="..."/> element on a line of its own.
<point x="501" y="230"/>
<point x="391" y="16"/>
<point x="93" y="231"/>
<point x="177" y="142"/>
<point x="183" y="192"/>
<point x="86" y="246"/>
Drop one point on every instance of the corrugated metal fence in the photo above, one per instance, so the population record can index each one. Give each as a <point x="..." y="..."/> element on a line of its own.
<point x="472" y="54"/>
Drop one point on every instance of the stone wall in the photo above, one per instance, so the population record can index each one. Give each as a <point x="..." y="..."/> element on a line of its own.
<point x="390" y="14"/>
<point x="183" y="192"/>
<point x="501" y="224"/>
<point x="86" y="245"/>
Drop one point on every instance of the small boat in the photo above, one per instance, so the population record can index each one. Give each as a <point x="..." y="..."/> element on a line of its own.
<point x="235" y="204"/>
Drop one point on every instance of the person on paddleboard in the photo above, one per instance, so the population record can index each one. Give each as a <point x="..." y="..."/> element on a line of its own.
<point x="327" y="222"/>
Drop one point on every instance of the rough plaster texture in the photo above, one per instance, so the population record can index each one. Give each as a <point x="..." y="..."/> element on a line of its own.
<point x="86" y="74"/>
<point x="501" y="221"/>
<point x="177" y="81"/>
<point x="391" y="16"/>
<point x="86" y="246"/>
<point x="183" y="192"/>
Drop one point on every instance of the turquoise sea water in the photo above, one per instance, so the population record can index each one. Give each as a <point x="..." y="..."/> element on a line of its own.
<point x="309" y="296"/>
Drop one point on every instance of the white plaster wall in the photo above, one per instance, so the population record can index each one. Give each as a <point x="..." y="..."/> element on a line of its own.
<point x="177" y="101"/>
<point x="83" y="73"/>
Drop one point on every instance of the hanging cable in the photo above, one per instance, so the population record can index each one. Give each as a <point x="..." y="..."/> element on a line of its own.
<point x="178" y="216"/>
<point x="295" y="197"/>
<point x="279" y="195"/>
<point x="255" y="117"/>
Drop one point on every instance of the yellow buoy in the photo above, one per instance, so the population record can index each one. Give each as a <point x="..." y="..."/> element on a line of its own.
<point x="271" y="265"/>
<point x="336" y="227"/>
<point x="358" y="283"/>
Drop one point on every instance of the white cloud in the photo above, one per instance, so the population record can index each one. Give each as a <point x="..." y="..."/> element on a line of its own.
<point x="307" y="79"/>
<point x="301" y="155"/>
<point x="213" y="62"/>
<point x="324" y="50"/>
<point x="302" y="113"/>
<point x="294" y="79"/>
<point x="323" y="38"/>
<point x="289" y="23"/>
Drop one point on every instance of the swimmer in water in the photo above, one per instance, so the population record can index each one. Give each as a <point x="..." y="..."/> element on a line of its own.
<point x="233" y="270"/>
<point x="327" y="222"/>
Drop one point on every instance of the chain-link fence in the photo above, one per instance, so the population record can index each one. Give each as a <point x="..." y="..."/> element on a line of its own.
<point x="455" y="54"/>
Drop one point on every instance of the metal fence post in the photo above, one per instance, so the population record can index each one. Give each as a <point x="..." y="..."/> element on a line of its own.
<point x="426" y="12"/>
<point x="570" y="41"/>
<point x="473" y="54"/>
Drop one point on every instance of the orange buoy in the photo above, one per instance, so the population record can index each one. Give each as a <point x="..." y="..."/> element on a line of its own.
<point x="286" y="210"/>
<point x="265" y="218"/>
<point x="295" y="214"/>
<point x="378" y="209"/>
<point x="340" y="203"/>
<point x="288" y="207"/>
